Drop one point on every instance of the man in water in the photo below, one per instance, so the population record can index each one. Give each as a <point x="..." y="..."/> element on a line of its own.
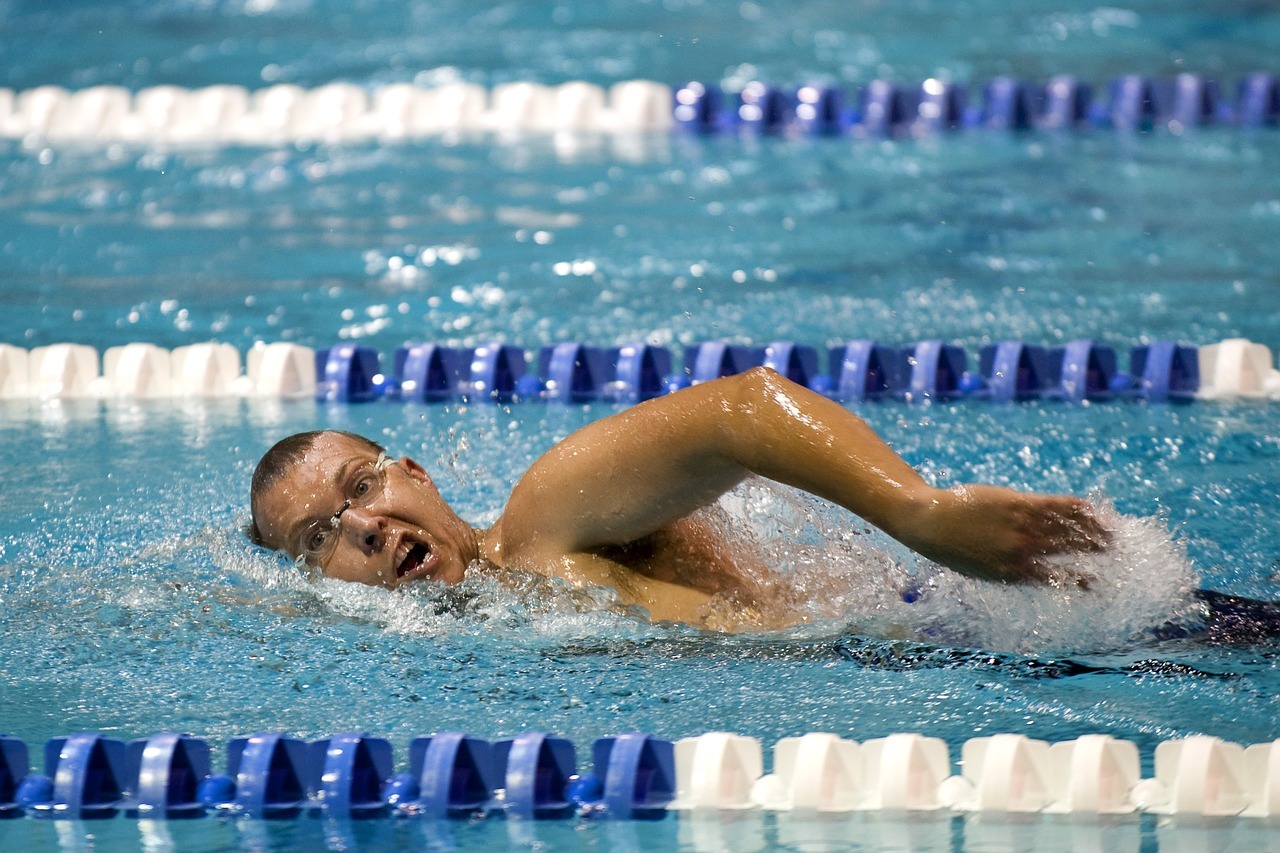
<point x="611" y="505"/>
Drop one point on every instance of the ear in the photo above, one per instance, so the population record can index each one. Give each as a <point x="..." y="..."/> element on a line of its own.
<point x="417" y="472"/>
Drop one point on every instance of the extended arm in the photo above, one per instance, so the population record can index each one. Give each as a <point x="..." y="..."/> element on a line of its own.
<point x="628" y="475"/>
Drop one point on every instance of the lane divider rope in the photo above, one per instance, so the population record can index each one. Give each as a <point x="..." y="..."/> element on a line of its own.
<point x="347" y="112"/>
<point x="572" y="372"/>
<point x="633" y="775"/>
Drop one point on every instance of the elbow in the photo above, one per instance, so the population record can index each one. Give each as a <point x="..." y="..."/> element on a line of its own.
<point x="761" y="410"/>
<point x="759" y="384"/>
<point x="754" y="396"/>
<point x="763" y="391"/>
<point x="763" y="375"/>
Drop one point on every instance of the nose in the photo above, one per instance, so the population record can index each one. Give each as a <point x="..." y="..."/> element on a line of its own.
<point x="364" y="529"/>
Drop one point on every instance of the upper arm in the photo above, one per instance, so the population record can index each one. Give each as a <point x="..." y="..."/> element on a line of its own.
<point x="623" y="477"/>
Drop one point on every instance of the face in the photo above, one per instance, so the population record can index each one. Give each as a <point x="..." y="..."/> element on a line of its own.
<point x="360" y="517"/>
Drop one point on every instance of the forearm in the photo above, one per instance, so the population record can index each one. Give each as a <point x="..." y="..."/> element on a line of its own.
<point x="785" y="432"/>
<point x="790" y="434"/>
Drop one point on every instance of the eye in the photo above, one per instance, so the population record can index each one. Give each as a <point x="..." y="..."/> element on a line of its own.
<point x="315" y="539"/>
<point x="364" y="486"/>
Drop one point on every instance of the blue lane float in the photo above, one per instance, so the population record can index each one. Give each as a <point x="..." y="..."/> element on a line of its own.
<point x="347" y="775"/>
<point x="347" y="373"/>
<point x="640" y="372"/>
<point x="268" y="772"/>
<point x="572" y="372"/>
<point x="428" y="373"/>
<point x="943" y="106"/>
<point x="1066" y="104"/>
<point x="820" y="111"/>
<point x="797" y="362"/>
<point x="169" y="768"/>
<point x="1014" y="370"/>
<point x="1194" y="101"/>
<point x="863" y="370"/>
<point x="1133" y="103"/>
<point x="13" y="769"/>
<point x="715" y="359"/>
<point x="635" y="776"/>
<point x="450" y="775"/>
<point x="84" y="779"/>
<point x="537" y="769"/>
<point x="1165" y="370"/>
<point x="494" y="375"/>
<point x="883" y="108"/>
<point x="423" y="372"/>
<point x="764" y="109"/>
<point x="1084" y="370"/>
<point x="697" y="108"/>
<point x="1011" y="104"/>
<point x="1258" y="101"/>
<point x="930" y="370"/>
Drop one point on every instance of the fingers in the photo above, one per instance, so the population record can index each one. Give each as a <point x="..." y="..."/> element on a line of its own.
<point x="1010" y="537"/>
<point x="1059" y="576"/>
<point x="1090" y="528"/>
<point x="1065" y="525"/>
<point x="1044" y="526"/>
<point x="1070" y="525"/>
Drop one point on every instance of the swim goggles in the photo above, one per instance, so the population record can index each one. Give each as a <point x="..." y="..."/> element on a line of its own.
<point x="362" y="487"/>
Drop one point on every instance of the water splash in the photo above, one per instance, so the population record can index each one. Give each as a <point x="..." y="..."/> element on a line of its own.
<point x="802" y="562"/>
<point x="834" y="571"/>
<point x="516" y="607"/>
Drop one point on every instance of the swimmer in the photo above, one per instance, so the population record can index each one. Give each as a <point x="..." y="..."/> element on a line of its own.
<point x="611" y="505"/>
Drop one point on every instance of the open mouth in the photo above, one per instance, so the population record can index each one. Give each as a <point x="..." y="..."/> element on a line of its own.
<point x="413" y="560"/>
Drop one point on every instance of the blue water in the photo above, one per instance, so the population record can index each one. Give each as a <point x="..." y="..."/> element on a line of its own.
<point x="130" y="604"/>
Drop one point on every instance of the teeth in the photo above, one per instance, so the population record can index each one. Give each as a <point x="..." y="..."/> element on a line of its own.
<point x="414" y="551"/>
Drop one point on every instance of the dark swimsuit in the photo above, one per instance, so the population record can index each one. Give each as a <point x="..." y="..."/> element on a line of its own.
<point x="1232" y="620"/>
<point x="1228" y="620"/>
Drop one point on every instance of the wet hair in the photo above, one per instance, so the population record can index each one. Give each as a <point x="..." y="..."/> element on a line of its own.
<point x="280" y="460"/>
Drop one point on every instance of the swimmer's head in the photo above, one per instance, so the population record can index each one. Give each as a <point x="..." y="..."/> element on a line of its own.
<point x="338" y="503"/>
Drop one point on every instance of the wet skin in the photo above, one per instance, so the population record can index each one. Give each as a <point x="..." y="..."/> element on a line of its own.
<point x="374" y="542"/>
<point x="609" y="505"/>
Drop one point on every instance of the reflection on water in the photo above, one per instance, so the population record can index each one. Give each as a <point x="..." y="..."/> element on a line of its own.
<point x="688" y="832"/>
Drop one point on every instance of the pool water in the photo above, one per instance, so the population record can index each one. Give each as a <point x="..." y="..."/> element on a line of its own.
<point x="131" y="604"/>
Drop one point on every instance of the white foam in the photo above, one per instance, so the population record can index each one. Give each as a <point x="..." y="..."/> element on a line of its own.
<point x="1143" y="580"/>
<point x="520" y="608"/>
<point x="832" y="568"/>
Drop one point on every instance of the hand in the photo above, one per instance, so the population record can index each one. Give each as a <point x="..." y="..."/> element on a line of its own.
<point x="999" y="534"/>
